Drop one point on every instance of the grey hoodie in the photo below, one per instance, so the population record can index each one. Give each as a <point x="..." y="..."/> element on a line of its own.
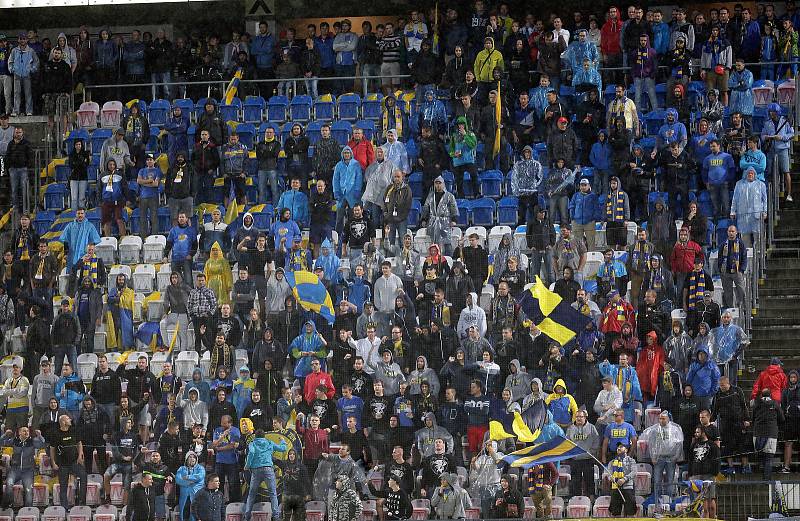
<point x="427" y="374"/>
<point x="518" y="383"/>
<point x="277" y="291"/>
<point x="390" y="374"/>
<point x="426" y="436"/>
<point x="177" y="295"/>
<point x="532" y="397"/>
<point x="450" y="504"/>
<point x="585" y="437"/>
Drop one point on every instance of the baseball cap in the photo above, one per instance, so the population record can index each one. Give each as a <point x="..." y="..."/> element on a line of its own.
<point x="150" y="156"/>
<point x="584" y="181"/>
<point x="65" y="302"/>
<point x="562" y="119"/>
<point x="120" y="130"/>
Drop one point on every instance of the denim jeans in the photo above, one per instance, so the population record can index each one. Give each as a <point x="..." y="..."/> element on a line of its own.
<point x="271" y="177"/>
<point x="311" y="87"/>
<point x="396" y="233"/>
<point x="285" y="88"/>
<point x="68" y="350"/>
<point x="161" y="77"/>
<point x="558" y="205"/>
<point x="19" y="183"/>
<point x="374" y="213"/>
<point x="148" y="206"/>
<point x="6" y="82"/>
<point x="663" y="476"/>
<point x="230" y="472"/>
<point x="720" y="199"/>
<point x="260" y="475"/>
<point x="77" y="191"/>
<point x="537" y="258"/>
<point x="64" y="472"/>
<point x="21" y="83"/>
<point x="26" y="477"/>
<point x="600" y="182"/>
<point x="650" y="85"/>
<point x="372" y="69"/>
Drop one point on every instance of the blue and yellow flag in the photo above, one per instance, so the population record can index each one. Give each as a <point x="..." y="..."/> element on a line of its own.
<point x="552" y="451"/>
<point x="234" y="208"/>
<point x="556" y="318"/>
<point x="310" y="293"/>
<point x="498" y="116"/>
<point x="497" y="432"/>
<point x="149" y="333"/>
<point x="233" y="86"/>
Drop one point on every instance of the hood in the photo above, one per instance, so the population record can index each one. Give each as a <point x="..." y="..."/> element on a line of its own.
<point x="462" y="120"/>
<point x="603" y="132"/>
<point x="90" y="398"/>
<point x="437" y="252"/>
<point x="347" y="149"/>
<point x="302" y="130"/>
<point x="490" y="40"/>
<point x="190" y="453"/>
<point x="515" y="363"/>
<point x="432" y="418"/>
<point x="199" y="371"/>
<point x="560" y="382"/>
<point x="681" y="38"/>
<point x="393" y="133"/>
<point x="474" y="299"/>
<point x="654" y="336"/>
<point x="327" y="244"/>
<point x="715" y="92"/>
<point x="529" y="149"/>
<point x="313" y="327"/>
<point x="216" y="252"/>
<point x="252" y="221"/>
<point x="247" y="422"/>
<point x="671" y="112"/>
<point x="424" y="363"/>
<point x="703" y="347"/>
<point x="178" y="275"/>
<point x="538" y="382"/>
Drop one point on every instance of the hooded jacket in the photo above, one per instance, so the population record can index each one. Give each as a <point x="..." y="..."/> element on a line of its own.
<point x="297" y="202"/>
<point x="486" y="61"/>
<point x="395" y="152"/>
<point x="562" y="406"/>
<point x="347" y="180"/>
<point x="426" y="436"/>
<point x="450" y="502"/>
<point x="527" y="175"/>
<point x="75" y="391"/>
<point x="518" y="382"/>
<point x="671" y="132"/>
<point x="378" y="177"/>
<point x="472" y="315"/>
<point x="426" y="374"/>
<point x="389" y="373"/>
<point x="772" y="378"/>
<point x="346" y="504"/>
<point x="704" y="376"/>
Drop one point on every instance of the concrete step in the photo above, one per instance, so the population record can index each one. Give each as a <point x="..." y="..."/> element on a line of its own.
<point x="786" y="333"/>
<point x="761" y="321"/>
<point x="789" y="291"/>
<point x="772" y="312"/>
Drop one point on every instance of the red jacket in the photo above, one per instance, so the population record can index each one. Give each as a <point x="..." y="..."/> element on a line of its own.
<point x="315" y="442"/>
<point x="314" y="380"/>
<point x="363" y="151"/>
<point x="681" y="260"/>
<point x="648" y="364"/>
<point x="772" y="378"/>
<point x="613" y="319"/>
<point x="610" y="37"/>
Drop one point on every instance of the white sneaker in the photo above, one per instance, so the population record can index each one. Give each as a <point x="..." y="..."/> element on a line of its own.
<point x="789" y="198"/>
<point x="29" y="114"/>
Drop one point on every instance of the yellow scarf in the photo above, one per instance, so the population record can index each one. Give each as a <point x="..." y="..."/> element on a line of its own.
<point x="398" y="120"/>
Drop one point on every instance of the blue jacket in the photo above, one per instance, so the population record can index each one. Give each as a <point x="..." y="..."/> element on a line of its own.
<point x="756" y="160"/>
<point x="191" y="480"/>
<point x="178" y="137"/>
<point x="671" y="132"/>
<point x="72" y="400"/>
<point x="701" y="151"/>
<point x="105" y="54"/>
<point x="751" y="43"/>
<point x="5" y="54"/>
<point x="344" y="45"/>
<point x="661" y="36"/>
<point x="183" y="240"/>
<point x="208" y="505"/>
<point x="741" y="87"/>
<point x="786" y="134"/>
<point x="718" y="168"/>
<point x="703" y="376"/>
<point x="133" y="57"/>
<point x="358" y="292"/>
<point x="347" y="180"/>
<point x="297" y="202"/>
<point x="262" y="49"/>
<point x="259" y="453"/>
<point x="77" y="235"/>
<point x="600" y="154"/>
<point x="23" y="63"/>
<point x="583" y="207"/>
<point x="327" y="57"/>
<point x="116" y="191"/>
<point x="288" y="229"/>
<point x="538" y="97"/>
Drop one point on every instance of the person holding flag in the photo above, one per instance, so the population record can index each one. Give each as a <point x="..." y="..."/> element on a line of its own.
<point x="623" y="471"/>
<point x="233" y="155"/>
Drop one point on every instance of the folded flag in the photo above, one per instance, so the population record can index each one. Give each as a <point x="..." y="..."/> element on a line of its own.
<point x="551" y="314"/>
<point x="552" y="451"/>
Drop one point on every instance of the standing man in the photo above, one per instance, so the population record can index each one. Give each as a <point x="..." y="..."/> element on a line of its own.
<point x="396" y="207"/>
<point x="731" y="265"/>
<point x="66" y="453"/>
<point x="149" y="179"/>
<point x="201" y="305"/>
<point x="209" y="503"/>
<point x="226" y="441"/>
<point x="18" y="159"/>
<point x="259" y="463"/>
<point x="776" y="135"/>
<point x="23" y="63"/>
<point x="622" y="470"/>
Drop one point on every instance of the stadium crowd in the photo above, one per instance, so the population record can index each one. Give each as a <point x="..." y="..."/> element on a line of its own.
<point x="389" y="396"/>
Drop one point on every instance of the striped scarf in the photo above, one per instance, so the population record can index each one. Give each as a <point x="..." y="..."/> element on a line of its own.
<point x="617" y="468"/>
<point x="624" y="384"/>
<point x="697" y="286"/>
<point x="666" y="382"/>
<point x="608" y="273"/>
<point x="618" y="108"/>
<point x="678" y="57"/>
<point x="22" y="246"/>
<point x="641" y="56"/>
<point x="640" y="255"/>
<point x="620" y="311"/>
<point x="615" y="207"/>
<point x="398" y="120"/>
<point x="656" y="279"/>
<point x="90" y="270"/>
<point x="536" y="479"/>
<point x="731" y="256"/>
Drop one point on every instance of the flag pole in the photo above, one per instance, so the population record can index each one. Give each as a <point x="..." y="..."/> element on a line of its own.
<point x="602" y="465"/>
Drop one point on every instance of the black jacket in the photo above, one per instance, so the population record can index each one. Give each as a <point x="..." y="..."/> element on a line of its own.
<point x="20" y="155"/>
<point x="540" y="235"/>
<point x="106" y="387"/>
<point x="425" y="69"/>
<point x="208" y="505"/>
<point x="320" y="205"/>
<point x="704" y="459"/>
<point x="295" y="479"/>
<point x="267" y="154"/>
<point x="186" y="187"/>
<point x="66" y="329"/>
<point x="56" y="78"/>
<point x="142" y="504"/>
<point x="731" y="406"/>
<point x="139" y="382"/>
<point x="767" y="414"/>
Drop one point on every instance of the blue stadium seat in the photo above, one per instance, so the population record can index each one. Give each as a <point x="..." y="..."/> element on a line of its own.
<point x="276" y="108"/>
<point x="99" y="135"/>
<point x="587" y="172"/>
<point x="78" y="133"/>
<point x="415" y="183"/>
<point x="413" y="215"/>
<point x="247" y="134"/>
<point x="263" y="219"/>
<point x="200" y="107"/>
<point x="466" y="186"/>
<point x="314" y="132"/>
<point x="91" y="173"/>
<point x="368" y="127"/>
<point x="449" y="181"/>
<point x="55" y="197"/>
<point x="652" y="197"/>
<point x="230" y="112"/>
<point x="340" y="130"/>
<point x="464" y="212"/>
<point x="661" y="94"/>
<point x="491" y="183"/>
<point x="704" y="203"/>
<point x="300" y="108"/>
<point x="760" y="116"/>
<point x="43" y="221"/>
<point x="721" y="234"/>
<point x="653" y="121"/>
<point x="158" y="112"/>
<point x="507" y="182"/>
<point x="324" y="109"/>
<point x="286" y="129"/>
<point x="253" y="109"/>
<point x="483" y="212"/>
<point x="62" y="173"/>
<point x="371" y="106"/>
<point x="508" y="210"/>
<point x="349" y="106"/>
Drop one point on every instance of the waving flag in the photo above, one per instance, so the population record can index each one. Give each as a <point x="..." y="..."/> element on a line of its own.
<point x="311" y="293"/>
<point x="497" y="432"/>
<point x="557" y="449"/>
<point x="556" y="318"/>
<point x="498" y="115"/>
<point x="233" y="86"/>
<point x="234" y="208"/>
<point x="528" y="424"/>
